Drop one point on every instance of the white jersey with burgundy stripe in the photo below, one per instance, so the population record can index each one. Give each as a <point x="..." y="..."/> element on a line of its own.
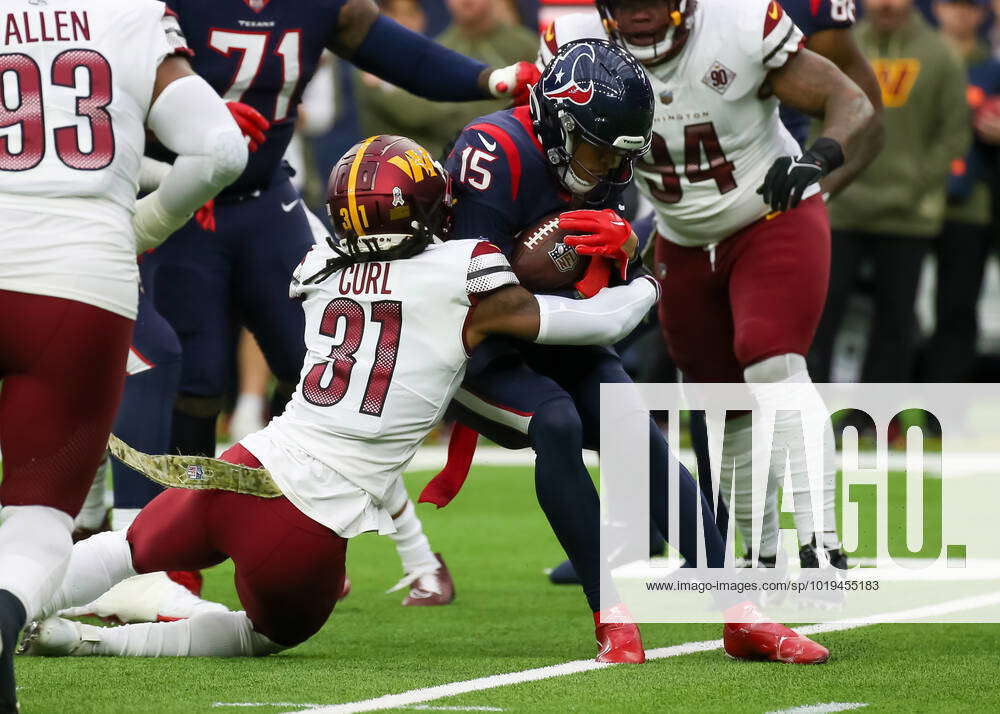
<point x="78" y="80"/>
<point x="385" y="354"/>
<point x="714" y="137"/>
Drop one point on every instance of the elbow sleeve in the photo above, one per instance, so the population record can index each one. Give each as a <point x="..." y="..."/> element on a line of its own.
<point x="604" y="319"/>
<point x="191" y="120"/>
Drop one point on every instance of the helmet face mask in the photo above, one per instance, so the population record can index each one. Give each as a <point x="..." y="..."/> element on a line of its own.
<point x="592" y="92"/>
<point x="653" y="31"/>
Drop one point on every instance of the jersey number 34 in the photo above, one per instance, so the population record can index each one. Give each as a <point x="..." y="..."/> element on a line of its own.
<point x="698" y="139"/>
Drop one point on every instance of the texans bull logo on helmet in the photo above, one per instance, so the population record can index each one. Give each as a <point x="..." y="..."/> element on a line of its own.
<point x="573" y="65"/>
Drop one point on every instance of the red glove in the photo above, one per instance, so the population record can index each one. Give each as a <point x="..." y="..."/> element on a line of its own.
<point x="595" y="278"/>
<point x="205" y="216"/>
<point x="251" y="122"/>
<point x="605" y="234"/>
<point x="514" y="81"/>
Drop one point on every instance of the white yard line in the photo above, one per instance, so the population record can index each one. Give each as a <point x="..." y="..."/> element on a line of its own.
<point x="426" y="694"/>
<point x="429" y="708"/>
<point x="822" y="708"/>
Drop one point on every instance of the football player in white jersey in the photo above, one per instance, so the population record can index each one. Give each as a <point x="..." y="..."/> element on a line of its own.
<point x="743" y="239"/>
<point x="391" y="317"/>
<point x="81" y="82"/>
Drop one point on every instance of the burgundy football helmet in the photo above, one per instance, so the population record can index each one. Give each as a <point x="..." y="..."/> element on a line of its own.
<point x="653" y="31"/>
<point x="388" y="199"/>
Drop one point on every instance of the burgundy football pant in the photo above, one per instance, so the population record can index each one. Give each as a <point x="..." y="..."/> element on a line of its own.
<point x="289" y="568"/>
<point x="759" y="294"/>
<point x="62" y="363"/>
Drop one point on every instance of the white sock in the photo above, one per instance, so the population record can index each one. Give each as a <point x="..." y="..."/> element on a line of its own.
<point x="35" y="547"/>
<point x="97" y="564"/>
<point x="248" y="415"/>
<point x="122" y="518"/>
<point x="737" y="460"/>
<point x="215" y="634"/>
<point x="91" y="516"/>
<point x="412" y="545"/>
<point x="802" y="426"/>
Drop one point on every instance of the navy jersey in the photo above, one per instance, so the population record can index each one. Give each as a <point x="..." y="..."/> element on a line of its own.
<point x="262" y="53"/>
<point x="503" y="182"/>
<point x="812" y="16"/>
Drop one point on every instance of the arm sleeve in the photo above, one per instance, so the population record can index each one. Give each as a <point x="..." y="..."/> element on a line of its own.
<point x="603" y="319"/>
<point x="488" y="271"/>
<point x="191" y="120"/>
<point x="417" y="64"/>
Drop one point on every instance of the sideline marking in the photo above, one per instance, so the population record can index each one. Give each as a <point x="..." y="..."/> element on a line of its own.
<point x="822" y="708"/>
<point x="426" y="694"/>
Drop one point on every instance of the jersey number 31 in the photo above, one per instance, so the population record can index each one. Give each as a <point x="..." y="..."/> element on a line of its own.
<point x="389" y="314"/>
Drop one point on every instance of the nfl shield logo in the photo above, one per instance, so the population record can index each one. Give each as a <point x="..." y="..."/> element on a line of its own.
<point x="564" y="257"/>
<point x="195" y="473"/>
<point x="256" y="5"/>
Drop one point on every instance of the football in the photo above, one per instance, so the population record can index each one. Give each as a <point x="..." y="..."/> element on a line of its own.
<point x="543" y="262"/>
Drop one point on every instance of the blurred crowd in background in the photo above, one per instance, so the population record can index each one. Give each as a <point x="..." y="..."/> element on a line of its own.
<point x="915" y="285"/>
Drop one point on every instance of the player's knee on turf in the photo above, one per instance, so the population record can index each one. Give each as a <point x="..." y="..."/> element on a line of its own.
<point x="229" y="634"/>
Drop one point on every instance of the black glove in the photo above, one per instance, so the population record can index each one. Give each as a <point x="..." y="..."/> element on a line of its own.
<point x="789" y="177"/>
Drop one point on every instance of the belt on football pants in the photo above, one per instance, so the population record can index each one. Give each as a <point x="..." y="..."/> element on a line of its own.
<point x="196" y="472"/>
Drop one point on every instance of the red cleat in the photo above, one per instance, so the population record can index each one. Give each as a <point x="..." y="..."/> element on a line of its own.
<point x="618" y="639"/>
<point x="753" y="636"/>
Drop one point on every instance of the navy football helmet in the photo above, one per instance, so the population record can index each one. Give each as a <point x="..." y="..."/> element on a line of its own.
<point x="643" y="37"/>
<point x="595" y="92"/>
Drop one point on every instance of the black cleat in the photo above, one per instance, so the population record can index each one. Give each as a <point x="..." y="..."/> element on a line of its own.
<point x="809" y="558"/>
<point x="564" y="574"/>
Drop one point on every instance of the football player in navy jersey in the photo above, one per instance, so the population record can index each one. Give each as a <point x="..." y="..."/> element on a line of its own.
<point x="827" y="26"/>
<point x="571" y="150"/>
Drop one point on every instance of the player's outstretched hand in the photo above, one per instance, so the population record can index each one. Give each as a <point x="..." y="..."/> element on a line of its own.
<point x="605" y="234"/>
<point x="205" y="216"/>
<point x="514" y="81"/>
<point x="789" y="177"/>
<point x="251" y="122"/>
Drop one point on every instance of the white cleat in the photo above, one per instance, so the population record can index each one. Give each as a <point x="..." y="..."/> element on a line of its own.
<point x="152" y="597"/>
<point x="56" y="637"/>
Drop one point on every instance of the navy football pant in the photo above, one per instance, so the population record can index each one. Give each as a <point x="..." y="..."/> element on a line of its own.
<point x="143" y="421"/>
<point x="207" y="284"/>
<point x="548" y="397"/>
